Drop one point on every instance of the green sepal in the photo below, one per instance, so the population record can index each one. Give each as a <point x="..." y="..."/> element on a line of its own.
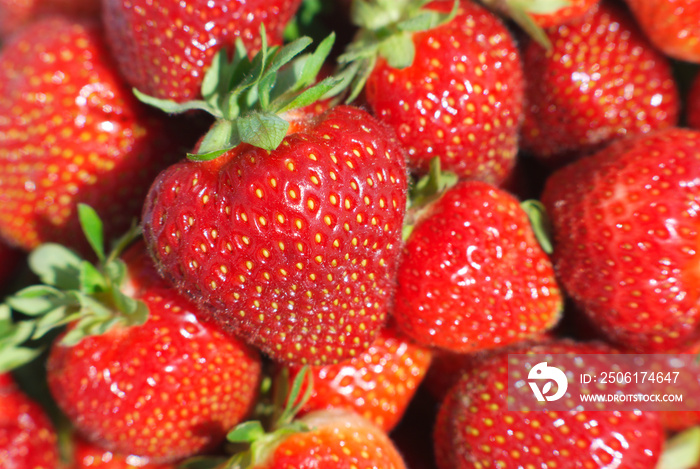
<point x="246" y="432"/>
<point x="525" y="21"/>
<point x="56" y="265"/>
<point x="38" y="300"/>
<point x="171" y="107"/>
<point x="92" y="229"/>
<point x="425" y="20"/>
<point x="222" y="137"/>
<point x="263" y="130"/>
<point x="540" y="222"/>
<point x="539" y="7"/>
<point x="91" y="280"/>
<point x="398" y="50"/>
<point x="135" y="312"/>
<point x="682" y="451"/>
<point x="14" y="357"/>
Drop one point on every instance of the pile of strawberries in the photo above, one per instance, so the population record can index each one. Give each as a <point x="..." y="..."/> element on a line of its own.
<point x="281" y="234"/>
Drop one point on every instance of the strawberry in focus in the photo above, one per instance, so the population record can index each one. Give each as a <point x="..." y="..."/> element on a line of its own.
<point x="672" y="25"/>
<point x="601" y="80"/>
<point x="165" y="47"/>
<point x="460" y="96"/>
<point x="27" y="438"/>
<point x="473" y="276"/>
<point x="626" y="230"/>
<point x="89" y="456"/>
<point x="474" y="427"/>
<point x="378" y="384"/>
<point x="71" y="132"/>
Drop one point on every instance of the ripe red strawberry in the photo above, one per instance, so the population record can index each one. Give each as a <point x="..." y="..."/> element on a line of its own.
<point x="88" y="456"/>
<point x="693" y="104"/>
<point x="27" y="438"/>
<point x="136" y="371"/>
<point x="71" y="132"/>
<point x="626" y="226"/>
<point x="601" y="80"/>
<point x="475" y="429"/>
<point x="672" y="25"/>
<point x="572" y="12"/>
<point x="164" y="48"/>
<point x="459" y="98"/>
<point x="378" y="384"/>
<point x="473" y="276"/>
<point x="290" y="240"/>
<point x="15" y="14"/>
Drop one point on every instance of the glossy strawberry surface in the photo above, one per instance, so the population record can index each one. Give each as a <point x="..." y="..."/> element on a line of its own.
<point x="601" y="80"/>
<point x="378" y="384"/>
<point x="164" y="47"/>
<point x="165" y="390"/>
<point x="87" y="456"/>
<point x="573" y="12"/>
<point x="672" y="25"/>
<point x="337" y="440"/>
<point x="27" y="438"/>
<point x="70" y="132"/>
<point x="460" y="100"/>
<point x="473" y="275"/>
<point x="475" y="428"/>
<point x="626" y="228"/>
<point x="296" y="249"/>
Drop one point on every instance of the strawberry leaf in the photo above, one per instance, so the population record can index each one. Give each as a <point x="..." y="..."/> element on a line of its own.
<point x="427" y="19"/>
<point x="246" y="432"/>
<point x="541" y="225"/>
<point x="221" y="137"/>
<point x="56" y="265"/>
<point x="681" y="451"/>
<point x="92" y="228"/>
<point x="263" y="130"/>
<point x="398" y="50"/>
<point x="14" y="357"/>
<point x="309" y="96"/>
<point x="91" y="280"/>
<point x="38" y="300"/>
<point x="172" y="107"/>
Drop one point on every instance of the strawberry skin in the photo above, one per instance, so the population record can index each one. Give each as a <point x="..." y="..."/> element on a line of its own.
<point x="601" y="80"/>
<point x="295" y="250"/>
<point x="475" y="429"/>
<point x="473" y="276"/>
<point x="70" y="132"/>
<point x="89" y="456"/>
<point x="626" y="230"/>
<point x="165" y="390"/>
<point x="672" y="25"/>
<point x="460" y="100"/>
<point x="164" y="47"/>
<point x="15" y="14"/>
<point x="575" y="11"/>
<point x="27" y="438"/>
<point x="337" y="440"/>
<point x="378" y="384"/>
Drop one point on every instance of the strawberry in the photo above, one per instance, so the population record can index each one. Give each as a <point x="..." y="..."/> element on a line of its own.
<point x="474" y="427"/>
<point x="378" y="384"/>
<point x="136" y="371"/>
<point x="625" y="224"/>
<point x="164" y="48"/>
<point x="473" y="276"/>
<point x="88" y="456"/>
<point x="27" y="438"/>
<point x="672" y="25"/>
<point x="71" y="132"/>
<point x="572" y="11"/>
<point x="305" y="226"/>
<point x="693" y="104"/>
<point x="601" y="80"/>
<point x="15" y="14"/>
<point x="453" y="91"/>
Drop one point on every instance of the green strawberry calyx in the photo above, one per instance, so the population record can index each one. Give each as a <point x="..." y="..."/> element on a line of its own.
<point x="682" y="451"/>
<point x="540" y="222"/>
<point x="521" y="12"/>
<point x="249" y="97"/>
<point x="261" y="443"/>
<point x="424" y="192"/>
<point x="90" y="296"/>
<point x="386" y="30"/>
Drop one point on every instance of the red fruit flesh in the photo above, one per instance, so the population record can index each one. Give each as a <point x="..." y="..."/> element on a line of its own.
<point x="164" y="47"/>
<point x="627" y="233"/>
<point x="27" y="438"/>
<point x="460" y="100"/>
<point x="601" y="80"/>
<point x="474" y="427"/>
<point x="337" y="440"/>
<point x="164" y="390"/>
<point x="672" y="25"/>
<point x="378" y="384"/>
<point x="473" y="276"/>
<point x="294" y="250"/>
<point x="70" y="132"/>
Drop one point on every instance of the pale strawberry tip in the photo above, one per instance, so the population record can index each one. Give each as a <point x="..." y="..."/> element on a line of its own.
<point x="250" y="96"/>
